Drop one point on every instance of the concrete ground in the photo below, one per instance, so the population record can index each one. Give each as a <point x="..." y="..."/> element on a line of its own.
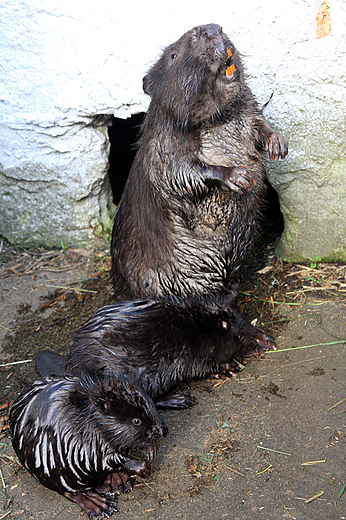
<point x="266" y="445"/>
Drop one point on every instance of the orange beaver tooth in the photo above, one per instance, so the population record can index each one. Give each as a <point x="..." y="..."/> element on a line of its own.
<point x="229" y="53"/>
<point x="230" y="70"/>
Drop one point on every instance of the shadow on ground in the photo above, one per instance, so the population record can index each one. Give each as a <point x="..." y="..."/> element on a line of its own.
<point x="268" y="444"/>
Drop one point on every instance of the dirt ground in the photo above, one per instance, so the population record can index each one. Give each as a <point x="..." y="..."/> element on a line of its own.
<point x="265" y="445"/>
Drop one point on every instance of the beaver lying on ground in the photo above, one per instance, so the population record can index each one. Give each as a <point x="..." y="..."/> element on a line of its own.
<point x="73" y="435"/>
<point x="162" y="344"/>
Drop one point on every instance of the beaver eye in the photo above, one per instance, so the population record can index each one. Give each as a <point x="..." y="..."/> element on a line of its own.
<point x="137" y="422"/>
<point x="173" y="55"/>
<point x="240" y="337"/>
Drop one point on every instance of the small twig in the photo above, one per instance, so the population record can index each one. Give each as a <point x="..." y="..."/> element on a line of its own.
<point x="8" y="500"/>
<point x="61" y="269"/>
<point x="53" y="302"/>
<point x="152" y="489"/>
<point x="2" y="480"/>
<point x="263" y="471"/>
<point x="69" y="288"/>
<point x="307" y="346"/>
<point x="302" y="271"/>
<point x="314" y="497"/>
<point x="316" y="303"/>
<point x="29" y="268"/>
<point x="252" y="378"/>
<point x="309" y="424"/>
<point x="269" y="301"/>
<point x="235" y="471"/>
<point x="322" y="479"/>
<point x="289" y="365"/>
<point x="336" y="404"/>
<point x="312" y="462"/>
<point x="275" y="451"/>
<point x="3" y="327"/>
<point x="3" y="399"/>
<point x="14" y="271"/>
<point x="287" y="511"/>
<point x="15" y="363"/>
<point x="6" y="514"/>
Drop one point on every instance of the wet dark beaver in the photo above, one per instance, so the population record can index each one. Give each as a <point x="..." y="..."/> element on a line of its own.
<point x="73" y="435"/>
<point x="163" y="344"/>
<point x="192" y="203"/>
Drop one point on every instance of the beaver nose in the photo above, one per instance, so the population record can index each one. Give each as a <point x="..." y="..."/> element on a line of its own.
<point x="210" y="30"/>
<point x="158" y="433"/>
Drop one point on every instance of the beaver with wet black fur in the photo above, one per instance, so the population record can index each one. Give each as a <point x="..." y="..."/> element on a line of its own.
<point x="164" y="344"/>
<point x="192" y="203"/>
<point x="161" y="343"/>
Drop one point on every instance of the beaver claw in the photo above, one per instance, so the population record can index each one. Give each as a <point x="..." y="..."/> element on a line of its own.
<point x="230" y="369"/>
<point x="236" y="178"/>
<point x="95" y="506"/>
<point x="178" y="401"/>
<point x="115" y="483"/>
<point x="141" y="468"/>
<point x="275" y="145"/>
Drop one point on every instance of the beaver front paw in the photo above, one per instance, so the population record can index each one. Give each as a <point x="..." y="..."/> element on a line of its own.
<point x="230" y="369"/>
<point x="238" y="178"/>
<point x="141" y="468"/>
<point x="275" y="145"/>
<point x="177" y="401"/>
<point x="115" y="483"/>
<point x="235" y="178"/>
<point x="95" y="506"/>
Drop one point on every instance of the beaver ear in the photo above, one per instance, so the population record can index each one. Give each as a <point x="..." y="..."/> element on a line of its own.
<point x="146" y="85"/>
<point x="223" y="324"/>
<point x="103" y="405"/>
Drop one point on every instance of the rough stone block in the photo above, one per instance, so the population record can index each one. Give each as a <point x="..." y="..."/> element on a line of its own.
<point x="67" y="67"/>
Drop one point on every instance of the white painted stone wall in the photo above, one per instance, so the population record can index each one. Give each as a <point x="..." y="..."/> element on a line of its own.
<point x="67" y="66"/>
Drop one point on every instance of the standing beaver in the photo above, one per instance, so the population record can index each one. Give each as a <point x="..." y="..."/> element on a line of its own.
<point x="191" y="205"/>
<point x="163" y="344"/>
<point x="73" y="435"/>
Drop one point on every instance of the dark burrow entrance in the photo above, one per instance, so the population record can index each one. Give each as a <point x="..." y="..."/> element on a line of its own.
<point x="123" y="136"/>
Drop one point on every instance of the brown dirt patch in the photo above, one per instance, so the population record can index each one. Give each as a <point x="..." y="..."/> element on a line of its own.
<point x="268" y="444"/>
